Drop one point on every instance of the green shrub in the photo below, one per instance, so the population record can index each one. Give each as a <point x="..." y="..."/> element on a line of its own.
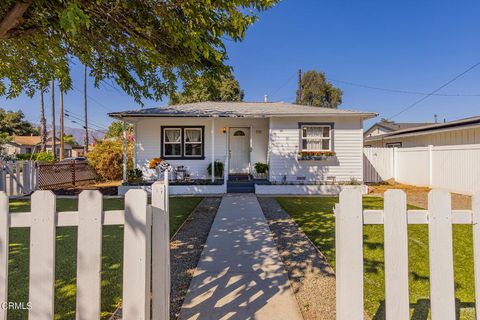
<point x="135" y="176"/>
<point x="218" y="169"/>
<point x="261" y="167"/>
<point x="45" y="156"/>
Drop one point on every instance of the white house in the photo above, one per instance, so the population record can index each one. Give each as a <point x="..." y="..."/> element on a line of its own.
<point x="457" y="132"/>
<point x="240" y="134"/>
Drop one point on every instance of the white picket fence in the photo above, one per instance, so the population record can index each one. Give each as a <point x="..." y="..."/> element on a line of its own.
<point x="18" y="178"/>
<point x="455" y="168"/>
<point x="146" y="265"/>
<point x="349" y="221"/>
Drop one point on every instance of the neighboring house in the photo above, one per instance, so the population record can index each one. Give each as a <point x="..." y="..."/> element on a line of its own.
<point x="31" y="144"/>
<point x="462" y="131"/>
<point x="78" y="151"/>
<point x="244" y="133"/>
<point x="385" y="126"/>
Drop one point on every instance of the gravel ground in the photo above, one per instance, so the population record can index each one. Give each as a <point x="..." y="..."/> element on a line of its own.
<point x="185" y="249"/>
<point x="311" y="277"/>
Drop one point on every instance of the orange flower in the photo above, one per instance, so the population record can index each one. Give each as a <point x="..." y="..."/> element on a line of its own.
<point x="154" y="162"/>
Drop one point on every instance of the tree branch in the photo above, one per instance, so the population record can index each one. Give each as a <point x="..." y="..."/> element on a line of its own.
<point x="13" y="16"/>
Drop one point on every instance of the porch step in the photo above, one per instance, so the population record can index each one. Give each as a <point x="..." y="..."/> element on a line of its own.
<point x="240" y="187"/>
<point x="238" y="177"/>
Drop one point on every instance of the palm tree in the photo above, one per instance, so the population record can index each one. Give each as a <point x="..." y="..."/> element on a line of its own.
<point x="43" y="124"/>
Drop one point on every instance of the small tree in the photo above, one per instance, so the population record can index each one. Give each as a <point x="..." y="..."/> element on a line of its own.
<point x="316" y="91"/>
<point x="106" y="157"/>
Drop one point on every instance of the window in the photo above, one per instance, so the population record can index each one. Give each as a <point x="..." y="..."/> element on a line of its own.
<point x="239" y="133"/>
<point x="193" y="142"/>
<point x="184" y="142"/>
<point x="316" y="137"/>
<point x="172" y="142"/>
<point x="28" y="150"/>
<point x="394" y="145"/>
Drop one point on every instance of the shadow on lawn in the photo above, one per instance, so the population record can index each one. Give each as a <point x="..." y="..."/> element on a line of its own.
<point x="421" y="309"/>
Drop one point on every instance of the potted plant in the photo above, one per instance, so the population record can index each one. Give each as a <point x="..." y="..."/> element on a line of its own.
<point x="218" y="171"/>
<point x="315" y="155"/>
<point x="159" y="165"/>
<point x="261" y="169"/>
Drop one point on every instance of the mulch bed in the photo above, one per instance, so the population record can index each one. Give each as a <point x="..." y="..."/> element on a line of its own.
<point x="186" y="247"/>
<point x="311" y="277"/>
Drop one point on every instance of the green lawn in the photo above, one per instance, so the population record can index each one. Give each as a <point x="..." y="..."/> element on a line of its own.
<point x="65" y="267"/>
<point x="315" y="218"/>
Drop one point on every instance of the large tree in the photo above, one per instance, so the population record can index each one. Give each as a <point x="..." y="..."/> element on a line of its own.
<point x="143" y="45"/>
<point x="14" y="123"/>
<point x="209" y="88"/>
<point x="317" y="91"/>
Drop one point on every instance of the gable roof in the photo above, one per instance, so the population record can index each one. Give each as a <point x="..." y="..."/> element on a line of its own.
<point x="31" y="140"/>
<point x="430" y="128"/>
<point x="238" y="109"/>
<point x="395" y="126"/>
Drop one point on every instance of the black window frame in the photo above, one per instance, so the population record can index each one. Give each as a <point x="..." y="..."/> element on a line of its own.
<point x="182" y="143"/>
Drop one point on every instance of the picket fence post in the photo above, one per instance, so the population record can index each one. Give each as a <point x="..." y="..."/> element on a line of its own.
<point x="476" y="249"/>
<point x="42" y="255"/>
<point x="89" y="254"/>
<point x="160" y="252"/>
<point x="349" y="255"/>
<point x="442" y="291"/>
<point x="396" y="255"/>
<point x="136" y="256"/>
<point x="4" y="238"/>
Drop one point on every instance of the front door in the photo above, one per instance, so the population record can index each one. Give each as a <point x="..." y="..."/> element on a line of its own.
<point x="239" y="150"/>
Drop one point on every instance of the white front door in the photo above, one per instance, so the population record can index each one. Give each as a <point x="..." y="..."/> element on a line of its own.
<point x="239" y="150"/>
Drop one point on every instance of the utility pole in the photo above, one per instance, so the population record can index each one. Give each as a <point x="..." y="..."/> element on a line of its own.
<point x="299" y="90"/>
<point x="43" y="124"/>
<point x="85" y="141"/>
<point x="54" y="143"/>
<point x="62" y="128"/>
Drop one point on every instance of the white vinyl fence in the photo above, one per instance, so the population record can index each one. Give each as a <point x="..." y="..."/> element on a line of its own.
<point x="455" y="168"/>
<point x="349" y="221"/>
<point x="146" y="270"/>
<point x="18" y="178"/>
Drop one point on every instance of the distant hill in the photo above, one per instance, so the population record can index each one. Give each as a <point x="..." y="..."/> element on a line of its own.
<point x="79" y="133"/>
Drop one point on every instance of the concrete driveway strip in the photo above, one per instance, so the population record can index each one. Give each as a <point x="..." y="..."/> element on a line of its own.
<point x="240" y="274"/>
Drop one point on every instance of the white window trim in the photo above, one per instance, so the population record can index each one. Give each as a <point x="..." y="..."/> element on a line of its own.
<point x="329" y="138"/>
<point x="198" y="142"/>
<point x="165" y="143"/>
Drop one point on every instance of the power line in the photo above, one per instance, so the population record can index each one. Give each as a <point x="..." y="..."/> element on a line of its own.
<point x="95" y="100"/>
<point x="80" y="119"/>
<point x="281" y="86"/>
<point x="78" y="115"/>
<point x="435" y="91"/>
<point x="403" y="91"/>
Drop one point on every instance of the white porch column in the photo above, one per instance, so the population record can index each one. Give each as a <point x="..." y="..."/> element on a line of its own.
<point x="135" y="145"/>
<point x="213" y="149"/>
<point x="124" y="152"/>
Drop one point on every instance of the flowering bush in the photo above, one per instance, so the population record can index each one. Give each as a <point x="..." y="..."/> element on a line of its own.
<point x="315" y="155"/>
<point x="154" y="162"/>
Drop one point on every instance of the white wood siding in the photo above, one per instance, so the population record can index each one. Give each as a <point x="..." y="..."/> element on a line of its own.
<point x="347" y="143"/>
<point x="148" y="142"/>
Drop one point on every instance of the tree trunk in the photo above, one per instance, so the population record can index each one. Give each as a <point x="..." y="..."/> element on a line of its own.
<point x="54" y="141"/>
<point x="13" y="17"/>
<point x="85" y="141"/>
<point x="43" y="124"/>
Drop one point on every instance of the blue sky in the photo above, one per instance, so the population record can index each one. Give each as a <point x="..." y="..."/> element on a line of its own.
<point x="405" y="45"/>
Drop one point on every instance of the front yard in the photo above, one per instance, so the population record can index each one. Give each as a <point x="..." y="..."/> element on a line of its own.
<point x="315" y="218"/>
<point x="65" y="267"/>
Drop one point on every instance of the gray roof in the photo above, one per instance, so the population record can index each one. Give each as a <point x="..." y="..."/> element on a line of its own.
<point x="395" y="126"/>
<point x="428" y="128"/>
<point x="238" y="109"/>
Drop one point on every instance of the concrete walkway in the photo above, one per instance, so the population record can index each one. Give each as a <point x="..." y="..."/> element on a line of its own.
<point x="240" y="274"/>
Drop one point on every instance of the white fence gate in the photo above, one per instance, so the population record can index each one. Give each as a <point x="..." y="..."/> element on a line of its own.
<point x="146" y="265"/>
<point x="349" y="221"/>
<point x="18" y="178"/>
